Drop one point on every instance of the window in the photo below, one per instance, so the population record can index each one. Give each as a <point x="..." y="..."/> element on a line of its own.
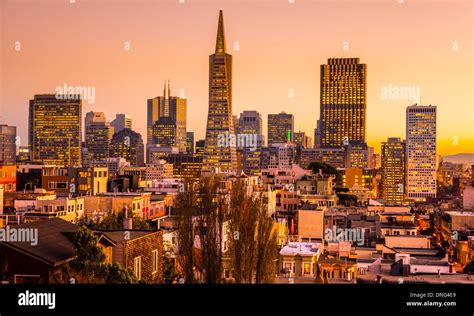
<point x="307" y="268"/>
<point x="137" y="267"/>
<point x="154" y="261"/>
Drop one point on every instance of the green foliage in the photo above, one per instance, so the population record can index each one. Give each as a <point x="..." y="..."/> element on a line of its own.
<point x="90" y="264"/>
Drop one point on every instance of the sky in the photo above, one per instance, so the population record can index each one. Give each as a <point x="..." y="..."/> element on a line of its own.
<point x="125" y="49"/>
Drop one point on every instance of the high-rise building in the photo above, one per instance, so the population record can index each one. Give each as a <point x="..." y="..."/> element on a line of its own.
<point x="167" y="110"/>
<point x="190" y="143"/>
<point x="164" y="132"/>
<point x="55" y="129"/>
<point x="7" y="145"/>
<point x="219" y="118"/>
<point x="23" y="154"/>
<point x="317" y="135"/>
<point x="343" y="102"/>
<point x="359" y="155"/>
<point x="98" y="135"/>
<point x="280" y="128"/>
<point x="393" y="170"/>
<point x="121" y="122"/>
<point x="250" y="122"/>
<point x="129" y="145"/>
<point x="421" y="152"/>
<point x="200" y="148"/>
<point x="250" y="125"/>
<point x="301" y="140"/>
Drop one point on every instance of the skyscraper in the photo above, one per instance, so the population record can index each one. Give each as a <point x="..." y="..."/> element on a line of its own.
<point x="170" y="110"/>
<point x="164" y="132"/>
<point x="55" y="125"/>
<point x="280" y="128"/>
<point x="121" y="122"/>
<point x="190" y="143"/>
<point x="393" y="170"/>
<point x="129" y="145"/>
<point x="219" y="118"/>
<point x="343" y="102"/>
<point x="7" y="145"/>
<point x="98" y="135"/>
<point x="250" y="123"/>
<point x="421" y="152"/>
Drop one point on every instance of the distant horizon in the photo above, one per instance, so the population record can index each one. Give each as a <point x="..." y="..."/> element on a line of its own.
<point x="277" y="50"/>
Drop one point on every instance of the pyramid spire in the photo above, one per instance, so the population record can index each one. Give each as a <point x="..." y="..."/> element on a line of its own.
<point x="220" y="42"/>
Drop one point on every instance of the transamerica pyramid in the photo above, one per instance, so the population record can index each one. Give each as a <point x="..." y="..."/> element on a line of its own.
<point x="219" y="156"/>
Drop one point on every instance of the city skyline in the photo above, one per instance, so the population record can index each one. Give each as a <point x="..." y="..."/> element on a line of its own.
<point x="295" y="92"/>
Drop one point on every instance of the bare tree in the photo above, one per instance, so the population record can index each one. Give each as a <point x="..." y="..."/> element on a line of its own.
<point x="213" y="207"/>
<point x="253" y="236"/>
<point x="185" y="203"/>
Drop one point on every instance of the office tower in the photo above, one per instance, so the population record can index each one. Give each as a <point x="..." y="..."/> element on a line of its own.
<point x="98" y="135"/>
<point x="129" y="145"/>
<point x="164" y="132"/>
<point x="55" y="129"/>
<point x="421" y="152"/>
<point x="359" y="155"/>
<point x="301" y="140"/>
<point x="317" y="135"/>
<point x="250" y="122"/>
<point x="185" y="166"/>
<point x="121" y="122"/>
<point x="235" y="120"/>
<point x="343" y="102"/>
<point x="7" y="145"/>
<point x="280" y="128"/>
<point x="331" y="156"/>
<point x="250" y="125"/>
<point x="23" y="155"/>
<point x="393" y="170"/>
<point x="164" y="110"/>
<point x="219" y="118"/>
<point x="190" y="143"/>
<point x="200" y="148"/>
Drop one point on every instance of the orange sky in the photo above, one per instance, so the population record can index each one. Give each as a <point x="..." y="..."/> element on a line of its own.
<point x="425" y="44"/>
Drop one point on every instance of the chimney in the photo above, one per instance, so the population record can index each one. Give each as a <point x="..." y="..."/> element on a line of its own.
<point x="127" y="222"/>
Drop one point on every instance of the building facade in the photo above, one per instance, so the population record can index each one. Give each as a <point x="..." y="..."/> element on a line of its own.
<point x="343" y="102"/>
<point x="421" y="152"/>
<point x="219" y="118"/>
<point x="55" y="129"/>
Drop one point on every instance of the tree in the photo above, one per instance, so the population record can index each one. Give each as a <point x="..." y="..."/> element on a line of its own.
<point x="169" y="272"/>
<point x="213" y="206"/>
<point x="185" y="203"/>
<point x="89" y="263"/>
<point x="253" y="246"/>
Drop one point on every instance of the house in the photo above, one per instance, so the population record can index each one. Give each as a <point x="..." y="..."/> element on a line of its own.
<point x="139" y="250"/>
<point x="42" y="260"/>
<point x="300" y="259"/>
